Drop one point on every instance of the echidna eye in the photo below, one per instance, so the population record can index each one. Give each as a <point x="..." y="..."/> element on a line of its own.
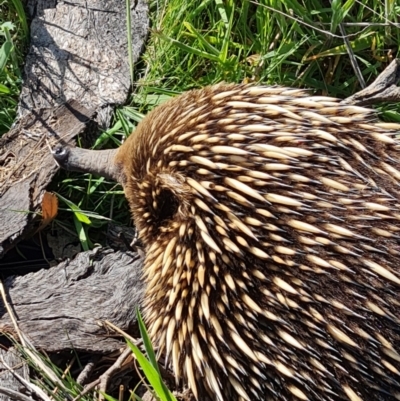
<point x="167" y="207"/>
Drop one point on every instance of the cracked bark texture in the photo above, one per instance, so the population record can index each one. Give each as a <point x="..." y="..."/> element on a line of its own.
<point x="79" y="51"/>
<point x="63" y="307"/>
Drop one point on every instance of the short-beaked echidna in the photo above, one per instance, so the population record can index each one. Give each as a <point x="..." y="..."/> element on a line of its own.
<point x="270" y="220"/>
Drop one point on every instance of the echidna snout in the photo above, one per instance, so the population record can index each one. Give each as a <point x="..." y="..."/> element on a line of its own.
<point x="270" y="220"/>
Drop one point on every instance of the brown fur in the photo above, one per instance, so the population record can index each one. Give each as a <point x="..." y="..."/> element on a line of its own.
<point x="270" y="220"/>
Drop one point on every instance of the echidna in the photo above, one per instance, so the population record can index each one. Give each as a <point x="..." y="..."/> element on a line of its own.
<point x="270" y="220"/>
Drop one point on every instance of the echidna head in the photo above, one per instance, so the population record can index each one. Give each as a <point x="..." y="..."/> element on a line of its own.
<point x="270" y="220"/>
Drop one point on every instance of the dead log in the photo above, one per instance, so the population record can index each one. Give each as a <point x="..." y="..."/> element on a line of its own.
<point x="27" y="167"/>
<point x="78" y="51"/>
<point x="383" y="89"/>
<point x="63" y="307"/>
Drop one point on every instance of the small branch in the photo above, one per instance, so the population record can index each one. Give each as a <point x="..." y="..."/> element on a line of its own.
<point x="363" y="24"/>
<point x="86" y="371"/>
<point x="352" y="57"/>
<point x="102" y="381"/>
<point x="115" y="367"/>
<point x="383" y="89"/>
<point x="14" y="395"/>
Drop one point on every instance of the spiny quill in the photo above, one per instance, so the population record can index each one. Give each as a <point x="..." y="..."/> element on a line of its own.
<point x="270" y="220"/>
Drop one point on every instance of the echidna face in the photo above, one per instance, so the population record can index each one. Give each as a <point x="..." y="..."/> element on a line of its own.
<point x="270" y="220"/>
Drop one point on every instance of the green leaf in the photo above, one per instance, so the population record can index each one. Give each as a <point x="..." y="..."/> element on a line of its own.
<point x="80" y="216"/>
<point x="201" y="38"/>
<point x="4" y="89"/>
<point x="5" y="52"/>
<point x="8" y="25"/>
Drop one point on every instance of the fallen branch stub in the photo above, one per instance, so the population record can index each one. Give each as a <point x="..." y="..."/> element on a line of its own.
<point x="383" y="89"/>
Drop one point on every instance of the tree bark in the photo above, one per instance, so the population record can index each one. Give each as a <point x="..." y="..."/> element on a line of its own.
<point x="63" y="307"/>
<point x="79" y="50"/>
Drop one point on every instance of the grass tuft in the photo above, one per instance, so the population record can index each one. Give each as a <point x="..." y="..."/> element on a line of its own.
<point x="13" y="39"/>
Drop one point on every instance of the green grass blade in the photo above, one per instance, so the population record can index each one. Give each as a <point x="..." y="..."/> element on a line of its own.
<point x="146" y="341"/>
<point x="78" y="213"/>
<point x="4" y="89"/>
<point x="356" y="45"/>
<point x="339" y="12"/>
<point x="129" y="34"/>
<point x="222" y="12"/>
<point x="225" y="44"/>
<point x="105" y="136"/>
<point x="189" y="49"/>
<point x="108" y="397"/>
<point x="336" y="6"/>
<point x="22" y="16"/>
<point x="200" y="38"/>
<point x="6" y="28"/>
<point x="133" y="114"/>
<point x="81" y="234"/>
<point x="152" y="375"/>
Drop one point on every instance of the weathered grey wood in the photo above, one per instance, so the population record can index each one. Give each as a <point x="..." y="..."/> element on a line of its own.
<point x="62" y="307"/>
<point x="79" y="51"/>
<point x="27" y="166"/>
<point x="383" y="89"/>
<point x="7" y="379"/>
